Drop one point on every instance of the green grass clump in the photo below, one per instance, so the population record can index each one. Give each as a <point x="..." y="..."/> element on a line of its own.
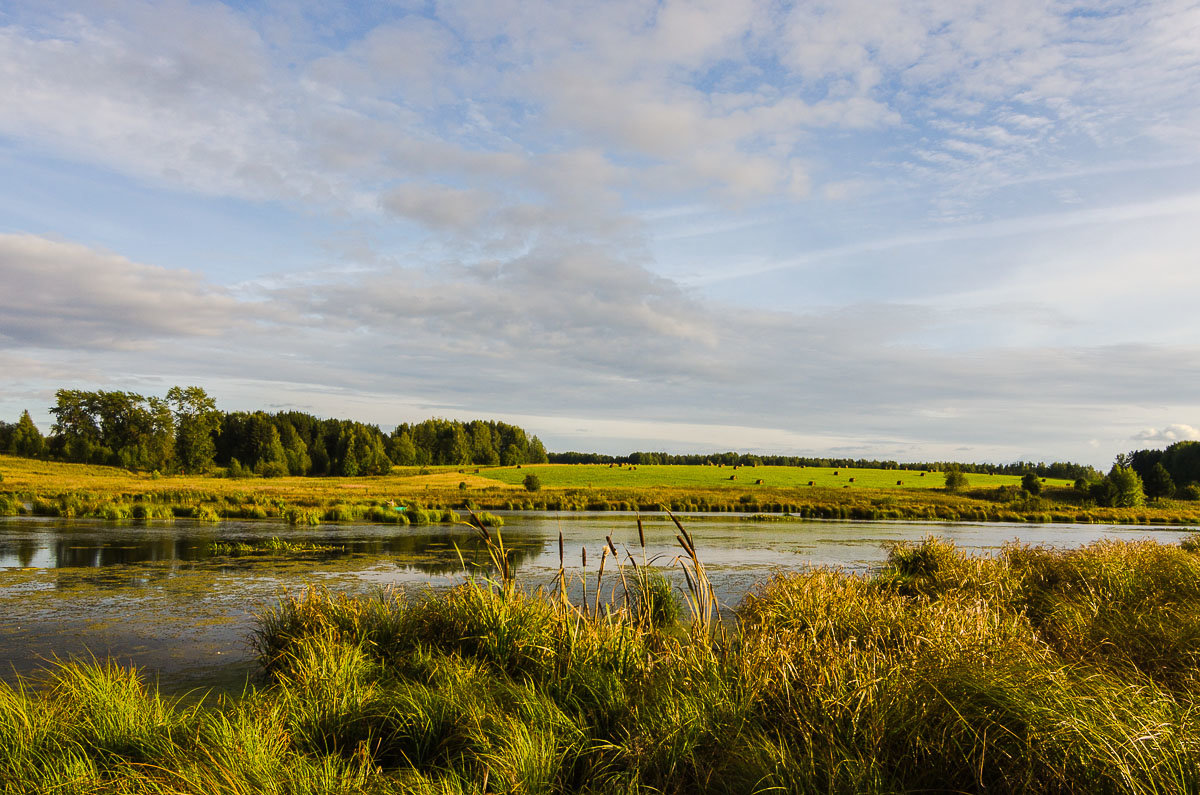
<point x="490" y="519"/>
<point x="10" y="505"/>
<point x="150" y="510"/>
<point x="301" y="516"/>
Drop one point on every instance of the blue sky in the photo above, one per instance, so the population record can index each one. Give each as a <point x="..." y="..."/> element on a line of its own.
<point x="885" y="229"/>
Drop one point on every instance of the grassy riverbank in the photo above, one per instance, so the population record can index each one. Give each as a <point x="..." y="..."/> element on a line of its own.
<point x="1037" y="671"/>
<point x="55" y="488"/>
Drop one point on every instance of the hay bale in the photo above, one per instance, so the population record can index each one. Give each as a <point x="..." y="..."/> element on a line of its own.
<point x="899" y="482"/>
<point x="758" y="482"/>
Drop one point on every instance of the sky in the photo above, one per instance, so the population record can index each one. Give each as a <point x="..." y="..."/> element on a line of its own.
<point x="868" y="228"/>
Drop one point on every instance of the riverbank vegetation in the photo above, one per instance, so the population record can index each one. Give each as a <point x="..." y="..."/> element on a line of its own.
<point x="427" y="493"/>
<point x="1034" y="671"/>
<point x="168" y="453"/>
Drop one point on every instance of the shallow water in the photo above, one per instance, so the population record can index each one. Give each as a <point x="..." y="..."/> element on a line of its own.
<point x="154" y="593"/>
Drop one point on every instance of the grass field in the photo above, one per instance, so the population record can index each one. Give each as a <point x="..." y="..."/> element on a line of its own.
<point x="23" y="473"/>
<point x="61" y="489"/>
<point x="603" y="476"/>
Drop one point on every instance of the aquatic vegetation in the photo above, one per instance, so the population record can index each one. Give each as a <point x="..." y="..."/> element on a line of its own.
<point x="296" y="515"/>
<point x="10" y="505"/>
<point x="272" y="545"/>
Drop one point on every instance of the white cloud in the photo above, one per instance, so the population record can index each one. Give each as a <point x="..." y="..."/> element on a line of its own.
<point x="60" y="294"/>
<point x="1168" y="435"/>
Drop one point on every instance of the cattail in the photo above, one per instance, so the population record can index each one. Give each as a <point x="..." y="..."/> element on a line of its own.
<point x="561" y="557"/>
<point x="600" y="578"/>
<point x="584" y="551"/>
<point x="611" y="545"/>
<point x="641" y="533"/>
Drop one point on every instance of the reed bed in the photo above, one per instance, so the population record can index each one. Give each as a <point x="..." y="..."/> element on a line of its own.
<point x="1033" y="671"/>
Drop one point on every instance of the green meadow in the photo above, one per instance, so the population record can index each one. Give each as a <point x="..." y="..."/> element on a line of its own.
<point x="603" y="476"/>
<point x="433" y="494"/>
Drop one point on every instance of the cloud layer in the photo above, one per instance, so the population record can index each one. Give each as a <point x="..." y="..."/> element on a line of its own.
<point x="901" y="229"/>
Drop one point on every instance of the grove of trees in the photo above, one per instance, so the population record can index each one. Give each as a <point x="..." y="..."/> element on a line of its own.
<point x="1179" y="465"/>
<point x="186" y="432"/>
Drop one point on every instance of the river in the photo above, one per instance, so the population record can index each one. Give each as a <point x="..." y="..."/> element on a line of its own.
<point x="156" y="594"/>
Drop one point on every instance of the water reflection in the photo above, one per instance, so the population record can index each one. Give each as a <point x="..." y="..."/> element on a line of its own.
<point x="83" y="544"/>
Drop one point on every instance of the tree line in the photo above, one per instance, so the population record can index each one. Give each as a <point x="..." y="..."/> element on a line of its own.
<point x="1059" y="469"/>
<point x="1164" y="472"/>
<point x="186" y="432"/>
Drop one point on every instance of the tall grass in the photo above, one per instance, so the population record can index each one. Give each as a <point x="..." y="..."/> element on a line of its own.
<point x="1033" y="671"/>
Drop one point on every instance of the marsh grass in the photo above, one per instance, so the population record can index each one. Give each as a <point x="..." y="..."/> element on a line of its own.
<point x="1033" y="671"/>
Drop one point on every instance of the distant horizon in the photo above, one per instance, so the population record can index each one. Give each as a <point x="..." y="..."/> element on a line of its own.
<point x="883" y="230"/>
<point x="689" y="449"/>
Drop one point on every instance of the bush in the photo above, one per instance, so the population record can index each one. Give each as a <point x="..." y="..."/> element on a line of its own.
<point x="532" y="482"/>
<point x="237" y="471"/>
<point x="1031" y="483"/>
<point x="273" y="469"/>
<point x="955" y="479"/>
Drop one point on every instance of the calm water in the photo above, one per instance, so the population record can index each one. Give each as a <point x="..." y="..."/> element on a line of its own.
<point x="154" y="594"/>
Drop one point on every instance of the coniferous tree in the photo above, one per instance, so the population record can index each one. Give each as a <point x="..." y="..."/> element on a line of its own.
<point x="27" y="440"/>
<point x="1158" y="482"/>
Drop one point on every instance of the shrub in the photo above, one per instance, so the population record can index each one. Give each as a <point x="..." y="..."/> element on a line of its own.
<point x="236" y="470"/>
<point x="273" y="469"/>
<point x="955" y="479"/>
<point x="532" y="482"/>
